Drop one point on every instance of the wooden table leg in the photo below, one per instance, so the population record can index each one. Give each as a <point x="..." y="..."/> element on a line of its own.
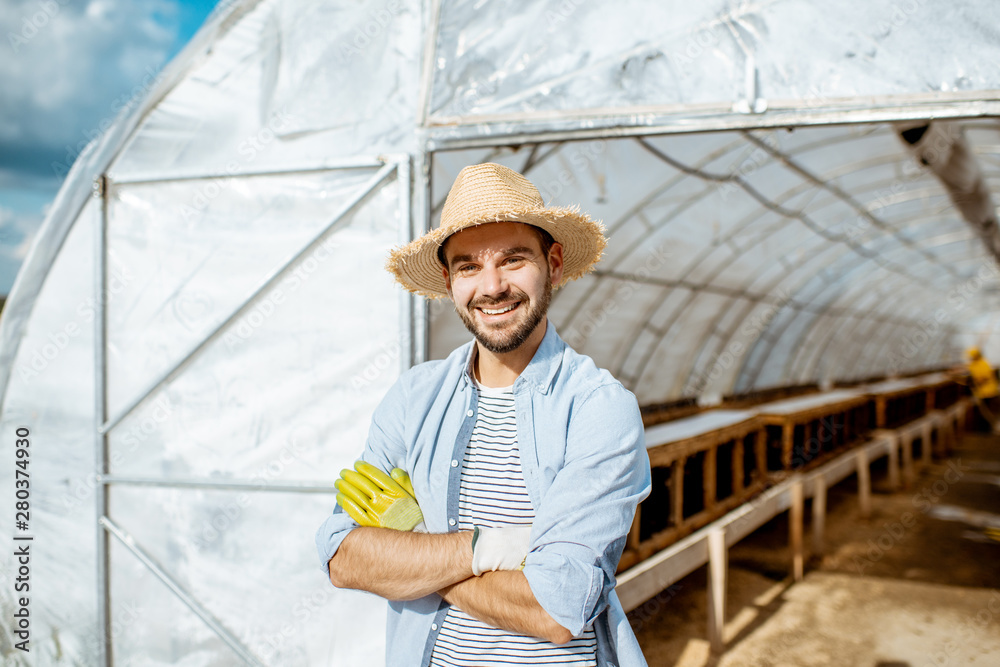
<point x="864" y="483"/>
<point x="787" y="436"/>
<point x="717" y="575"/>
<point x="819" y="514"/>
<point x="894" y="462"/>
<point x="795" y="529"/>
<point x="737" y="466"/>
<point x="709" y="477"/>
<point x="677" y="492"/>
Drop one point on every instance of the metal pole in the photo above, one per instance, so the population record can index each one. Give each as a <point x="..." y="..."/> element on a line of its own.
<point x="431" y="16"/>
<point x="275" y="275"/>
<point x="406" y="300"/>
<point x="484" y="131"/>
<point x="104" y="646"/>
<point x="219" y="485"/>
<point x="328" y="165"/>
<point x="185" y="597"/>
<point x="421" y="222"/>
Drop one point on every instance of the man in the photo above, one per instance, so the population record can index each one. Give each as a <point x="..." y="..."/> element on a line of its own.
<point x="985" y="390"/>
<point x="526" y="460"/>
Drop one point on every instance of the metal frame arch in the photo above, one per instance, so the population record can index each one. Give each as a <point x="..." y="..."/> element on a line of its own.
<point x="892" y="229"/>
<point x="836" y="336"/>
<point x="724" y="343"/>
<point x="871" y="353"/>
<point x="844" y="254"/>
<point x="820" y="350"/>
<point x="875" y="320"/>
<point x="726" y="340"/>
<point x="756" y="214"/>
<point x="857" y="285"/>
<point x="803" y="217"/>
<point x="781" y="222"/>
<point x="848" y="199"/>
<point x="739" y="227"/>
<point x="879" y="357"/>
<point x="860" y="282"/>
<point x="803" y="362"/>
<point x="881" y="353"/>
<point x="638" y="212"/>
<point x="772" y="341"/>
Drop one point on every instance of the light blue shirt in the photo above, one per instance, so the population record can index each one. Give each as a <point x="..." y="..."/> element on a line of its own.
<point x="585" y="467"/>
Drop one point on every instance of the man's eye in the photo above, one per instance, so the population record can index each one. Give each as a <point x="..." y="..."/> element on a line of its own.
<point x="466" y="268"/>
<point x="513" y="260"/>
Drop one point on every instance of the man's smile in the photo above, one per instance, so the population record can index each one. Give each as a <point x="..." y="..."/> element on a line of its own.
<point x="500" y="310"/>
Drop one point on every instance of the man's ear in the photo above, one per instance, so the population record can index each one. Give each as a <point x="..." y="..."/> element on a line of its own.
<point x="556" y="263"/>
<point x="447" y="280"/>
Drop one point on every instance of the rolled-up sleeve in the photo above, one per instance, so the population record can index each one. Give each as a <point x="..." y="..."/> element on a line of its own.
<point x="383" y="449"/>
<point x="585" y="515"/>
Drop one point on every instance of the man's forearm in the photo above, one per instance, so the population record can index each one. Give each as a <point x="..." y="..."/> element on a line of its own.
<point x="504" y="600"/>
<point x="400" y="565"/>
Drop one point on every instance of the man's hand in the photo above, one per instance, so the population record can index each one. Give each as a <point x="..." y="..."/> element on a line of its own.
<point x="372" y="498"/>
<point x="500" y="549"/>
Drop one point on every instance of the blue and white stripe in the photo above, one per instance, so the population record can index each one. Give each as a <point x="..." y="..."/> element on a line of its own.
<point x="492" y="494"/>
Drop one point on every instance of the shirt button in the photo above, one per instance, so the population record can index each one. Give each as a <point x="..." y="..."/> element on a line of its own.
<point x="454" y="463"/>
<point x="451" y="522"/>
<point x="434" y="626"/>
<point x="469" y="413"/>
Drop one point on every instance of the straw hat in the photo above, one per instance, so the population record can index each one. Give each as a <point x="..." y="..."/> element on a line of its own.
<point x="485" y="193"/>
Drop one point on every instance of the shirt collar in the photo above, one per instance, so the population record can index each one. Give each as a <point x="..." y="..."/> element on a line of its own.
<point x="541" y="371"/>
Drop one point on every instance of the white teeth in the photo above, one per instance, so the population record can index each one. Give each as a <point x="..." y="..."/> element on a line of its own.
<point x="500" y="310"/>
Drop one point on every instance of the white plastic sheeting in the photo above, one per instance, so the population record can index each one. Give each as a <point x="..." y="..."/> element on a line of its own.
<point x="568" y="56"/>
<point x="742" y="261"/>
<point x="245" y="554"/>
<point x="767" y="227"/>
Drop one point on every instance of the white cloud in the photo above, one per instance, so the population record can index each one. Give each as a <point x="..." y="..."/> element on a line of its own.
<point x="63" y="64"/>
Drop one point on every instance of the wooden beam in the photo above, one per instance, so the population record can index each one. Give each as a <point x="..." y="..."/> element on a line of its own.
<point x="927" y="442"/>
<point x="737" y="466"/>
<point x="761" y="447"/>
<point x="677" y="493"/>
<point x="787" y="437"/>
<point x="708" y="478"/>
<point x="909" y="476"/>
<point x="880" y="410"/>
<point x="818" y="513"/>
<point x="864" y="483"/>
<point x="894" y="462"/>
<point x="717" y="575"/>
<point x="795" y="512"/>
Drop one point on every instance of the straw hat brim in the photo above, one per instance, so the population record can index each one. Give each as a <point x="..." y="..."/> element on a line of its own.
<point x="417" y="267"/>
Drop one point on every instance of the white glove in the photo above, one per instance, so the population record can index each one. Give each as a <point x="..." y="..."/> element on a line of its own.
<point x="499" y="549"/>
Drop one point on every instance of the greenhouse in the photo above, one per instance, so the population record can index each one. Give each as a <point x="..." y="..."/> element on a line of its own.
<point x="796" y="197"/>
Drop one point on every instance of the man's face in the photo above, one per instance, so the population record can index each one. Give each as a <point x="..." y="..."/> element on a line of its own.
<point x="501" y="282"/>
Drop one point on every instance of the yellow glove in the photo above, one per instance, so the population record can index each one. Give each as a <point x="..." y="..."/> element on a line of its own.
<point x="372" y="498"/>
<point x="403" y="479"/>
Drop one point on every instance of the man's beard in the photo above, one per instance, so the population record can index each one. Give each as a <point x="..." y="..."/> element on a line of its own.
<point x="502" y="341"/>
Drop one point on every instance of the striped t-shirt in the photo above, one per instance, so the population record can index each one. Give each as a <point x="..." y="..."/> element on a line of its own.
<point x="492" y="494"/>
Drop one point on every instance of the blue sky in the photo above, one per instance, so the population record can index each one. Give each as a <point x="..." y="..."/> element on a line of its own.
<point x="66" y="68"/>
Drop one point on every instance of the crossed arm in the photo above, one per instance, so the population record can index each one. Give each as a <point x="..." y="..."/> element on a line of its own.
<point x="401" y="565"/>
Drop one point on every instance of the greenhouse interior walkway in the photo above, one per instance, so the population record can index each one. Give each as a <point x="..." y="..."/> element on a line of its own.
<point x="914" y="583"/>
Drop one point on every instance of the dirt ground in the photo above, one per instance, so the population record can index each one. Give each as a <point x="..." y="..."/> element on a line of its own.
<point x="917" y="584"/>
